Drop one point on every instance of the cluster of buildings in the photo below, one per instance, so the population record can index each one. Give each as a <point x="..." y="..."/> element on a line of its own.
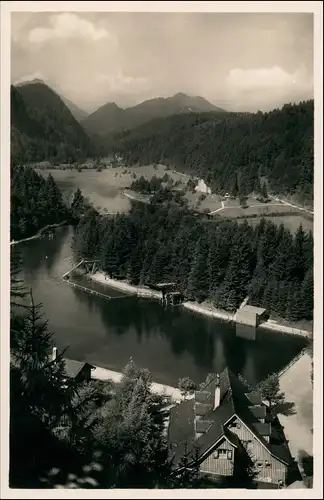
<point x="223" y="427"/>
<point x="221" y="430"/>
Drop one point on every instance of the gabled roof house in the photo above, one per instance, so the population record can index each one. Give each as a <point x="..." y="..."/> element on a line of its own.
<point x="222" y="423"/>
<point x="80" y="371"/>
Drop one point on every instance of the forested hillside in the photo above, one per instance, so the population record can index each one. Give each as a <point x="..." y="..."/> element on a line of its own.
<point x="43" y="128"/>
<point x="219" y="261"/>
<point x="35" y="202"/>
<point x="229" y="149"/>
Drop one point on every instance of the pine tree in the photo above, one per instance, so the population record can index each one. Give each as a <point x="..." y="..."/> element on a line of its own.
<point x="86" y="237"/>
<point x="264" y="191"/>
<point x="237" y="276"/>
<point x="299" y="265"/>
<point x="132" y="433"/>
<point x="214" y="264"/>
<point x="42" y="379"/>
<point x="160" y="267"/>
<point x="269" y="296"/>
<point x="234" y="189"/>
<point x="77" y="205"/>
<point x="293" y="302"/>
<point x="307" y="296"/>
<point x="198" y="278"/>
<point x="281" y="303"/>
<point x="135" y="266"/>
<point x="269" y="389"/>
<point x="18" y="290"/>
<point x="189" y="476"/>
<point x="53" y="196"/>
<point x="257" y="186"/>
<point x="186" y="386"/>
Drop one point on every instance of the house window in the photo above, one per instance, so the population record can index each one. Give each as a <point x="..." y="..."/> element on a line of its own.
<point x="259" y="465"/>
<point x="247" y="443"/>
<point x="223" y="454"/>
<point x="268" y="465"/>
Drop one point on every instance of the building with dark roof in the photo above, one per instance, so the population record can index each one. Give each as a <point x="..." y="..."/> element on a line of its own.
<point x="80" y="371"/>
<point x="221" y="425"/>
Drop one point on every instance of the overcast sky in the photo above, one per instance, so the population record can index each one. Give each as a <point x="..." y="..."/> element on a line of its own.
<point x="238" y="61"/>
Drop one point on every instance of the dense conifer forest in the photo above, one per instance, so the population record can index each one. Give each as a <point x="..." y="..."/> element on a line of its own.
<point x="231" y="149"/>
<point x="220" y="261"/>
<point x="35" y="202"/>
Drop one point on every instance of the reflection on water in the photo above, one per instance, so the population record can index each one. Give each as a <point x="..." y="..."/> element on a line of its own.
<point x="245" y="331"/>
<point x="170" y="342"/>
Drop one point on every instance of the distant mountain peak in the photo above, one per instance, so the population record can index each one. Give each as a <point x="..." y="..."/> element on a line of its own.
<point x="110" y="118"/>
<point x="179" y="95"/>
<point x="31" y="82"/>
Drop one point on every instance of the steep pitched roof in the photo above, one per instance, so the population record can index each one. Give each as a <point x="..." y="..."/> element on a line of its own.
<point x="202" y="409"/>
<point x="73" y="367"/>
<point x="233" y="402"/>
<point x="254" y="398"/>
<point x="258" y="411"/>
<point x="181" y="432"/>
<point x="263" y="429"/>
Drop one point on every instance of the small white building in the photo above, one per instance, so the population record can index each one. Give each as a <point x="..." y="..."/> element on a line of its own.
<point x="202" y="187"/>
<point x="250" y="315"/>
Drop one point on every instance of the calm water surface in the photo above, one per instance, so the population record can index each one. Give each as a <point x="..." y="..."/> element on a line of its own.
<point x="171" y="343"/>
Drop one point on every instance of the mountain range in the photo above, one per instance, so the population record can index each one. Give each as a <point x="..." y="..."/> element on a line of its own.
<point x="111" y="118"/>
<point x="47" y="125"/>
<point x="226" y="149"/>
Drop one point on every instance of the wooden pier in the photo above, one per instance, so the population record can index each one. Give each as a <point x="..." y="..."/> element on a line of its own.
<point x="95" y="292"/>
<point x="73" y="269"/>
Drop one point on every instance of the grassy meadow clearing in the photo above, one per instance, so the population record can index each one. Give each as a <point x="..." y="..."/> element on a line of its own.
<point x="105" y="190"/>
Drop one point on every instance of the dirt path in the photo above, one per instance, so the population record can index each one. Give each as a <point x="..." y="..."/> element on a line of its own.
<point x="172" y="392"/>
<point x="296" y="384"/>
<point x="39" y="234"/>
<point x="302" y="209"/>
<point x="250" y="206"/>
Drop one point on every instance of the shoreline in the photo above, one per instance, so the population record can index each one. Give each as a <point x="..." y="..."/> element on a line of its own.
<point x="173" y="393"/>
<point x="139" y="291"/>
<point x="39" y="234"/>
<point x="193" y="306"/>
<point x="101" y="373"/>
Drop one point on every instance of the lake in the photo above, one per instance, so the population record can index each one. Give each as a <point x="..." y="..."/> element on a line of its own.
<point x="170" y="342"/>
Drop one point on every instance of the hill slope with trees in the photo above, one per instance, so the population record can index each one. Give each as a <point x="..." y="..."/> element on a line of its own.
<point x="43" y="128"/>
<point x="221" y="262"/>
<point x="35" y="202"/>
<point x="231" y="149"/>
